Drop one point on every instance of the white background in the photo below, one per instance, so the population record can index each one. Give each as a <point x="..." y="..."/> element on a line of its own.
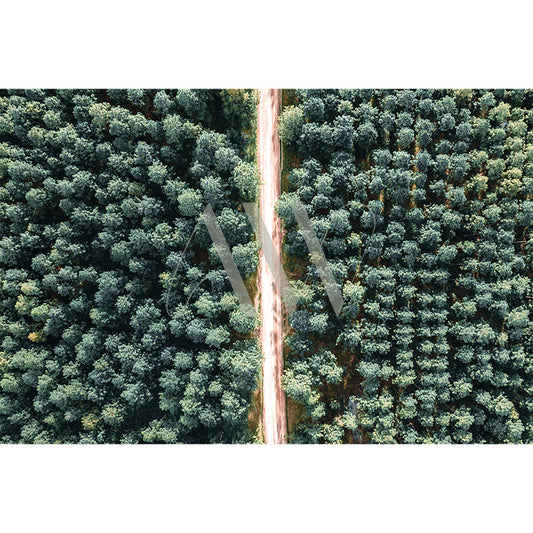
<point x="158" y="488"/>
<point x="215" y="44"/>
<point x="200" y="43"/>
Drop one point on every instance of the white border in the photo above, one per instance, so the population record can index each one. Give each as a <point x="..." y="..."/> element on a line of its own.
<point x="279" y="43"/>
<point x="259" y="488"/>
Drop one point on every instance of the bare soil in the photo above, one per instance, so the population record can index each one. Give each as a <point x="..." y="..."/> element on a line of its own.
<point x="271" y="333"/>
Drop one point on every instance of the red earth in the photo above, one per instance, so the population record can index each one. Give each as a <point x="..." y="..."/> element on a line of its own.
<point x="274" y="412"/>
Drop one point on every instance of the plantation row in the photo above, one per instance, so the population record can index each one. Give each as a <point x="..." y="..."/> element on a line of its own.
<point x="117" y="321"/>
<point x="423" y="202"/>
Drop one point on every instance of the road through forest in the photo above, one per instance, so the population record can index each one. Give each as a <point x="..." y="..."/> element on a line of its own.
<point x="274" y="414"/>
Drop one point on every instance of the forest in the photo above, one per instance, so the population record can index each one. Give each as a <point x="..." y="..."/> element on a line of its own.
<point x="423" y="202"/>
<point x="117" y="321"/>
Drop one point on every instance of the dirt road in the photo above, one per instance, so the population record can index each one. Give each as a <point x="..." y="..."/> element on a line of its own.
<point x="274" y="415"/>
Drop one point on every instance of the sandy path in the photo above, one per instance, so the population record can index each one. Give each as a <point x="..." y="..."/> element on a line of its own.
<point x="274" y="414"/>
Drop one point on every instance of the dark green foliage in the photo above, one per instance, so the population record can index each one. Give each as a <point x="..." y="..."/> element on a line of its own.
<point x="101" y="194"/>
<point x="423" y="201"/>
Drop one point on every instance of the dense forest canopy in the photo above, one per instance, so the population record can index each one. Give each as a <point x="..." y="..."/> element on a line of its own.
<point x="423" y="201"/>
<point x="118" y="323"/>
<point x="117" y="320"/>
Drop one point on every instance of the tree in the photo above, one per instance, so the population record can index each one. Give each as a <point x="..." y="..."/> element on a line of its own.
<point x="112" y="318"/>
<point x="432" y="215"/>
<point x="291" y="122"/>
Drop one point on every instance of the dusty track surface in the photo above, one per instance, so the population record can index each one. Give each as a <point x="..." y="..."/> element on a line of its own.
<point x="274" y="413"/>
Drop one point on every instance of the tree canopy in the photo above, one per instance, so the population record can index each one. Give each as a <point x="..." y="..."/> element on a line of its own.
<point x="423" y="200"/>
<point x="117" y="320"/>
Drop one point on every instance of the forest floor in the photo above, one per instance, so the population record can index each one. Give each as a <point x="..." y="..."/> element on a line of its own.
<point x="271" y="333"/>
